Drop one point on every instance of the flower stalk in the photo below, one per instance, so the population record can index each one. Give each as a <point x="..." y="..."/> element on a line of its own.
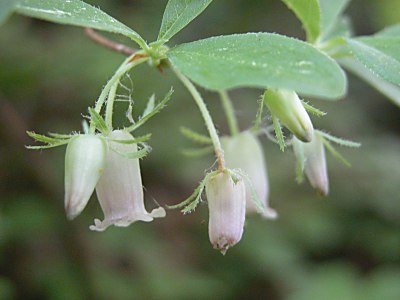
<point x="219" y="153"/>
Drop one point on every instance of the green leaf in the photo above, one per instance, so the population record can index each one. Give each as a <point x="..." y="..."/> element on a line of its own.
<point x="195" y="137"/>
<point x="331" y="11"/>
<point x="178" y="14"/>
<point x="78" y="13"/>
<point x="380" y="54"/>
<point x="262" y="60"/>
<point x="391" y="31"/>
<point x="308" y="12"/>
<point x="342" y="28"/>
<point x="98" y="121"/>
<point x="6" y="9"/>
<point x="388" y="89"/>
<point x="389" y="45"/>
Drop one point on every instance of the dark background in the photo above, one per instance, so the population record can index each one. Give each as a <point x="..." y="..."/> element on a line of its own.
<point x="345" y="246"/>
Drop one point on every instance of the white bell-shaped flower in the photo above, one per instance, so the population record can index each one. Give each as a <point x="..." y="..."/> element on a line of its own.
<point x="120" y="190"/>
<point x="227" y="209"/>
<point x="315" y="166"/>
<point x="84" y="163"/>
<point x="244" y="151"/>
<point x="287" y="106"/>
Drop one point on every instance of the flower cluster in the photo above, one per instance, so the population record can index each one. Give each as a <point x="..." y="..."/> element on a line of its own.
<point x="97" y="162"/>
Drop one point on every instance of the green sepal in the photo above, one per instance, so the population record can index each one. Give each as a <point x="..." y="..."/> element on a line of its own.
<point x="236" y="175"/>
<point x="335" y="153"/>
<point x="279" y="133"/>
<point x="339" y="141"/>
<point x="313" y="110"/>
<point x="195" y="137"/>
<point x="300" y="160"/>
<point x="188" y="205"/>
<point x="135" y="154"/>
<point x="60" y="136"/>
<point x="47" y="146"/>
<point x="42" y="138"/>
<point x="198" y="152"/>
<point x="137" y="140"/>
<point x="50" y="141"/>
<point x="150" y="114"/>
<point x="98" y="121"/>
<point x="259" y="115"/>
<point x="150" y="106"/>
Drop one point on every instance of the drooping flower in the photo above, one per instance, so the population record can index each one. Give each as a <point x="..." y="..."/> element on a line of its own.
<point x="244" y="151"/>
<point x="287" y="107"/>
<point x="227" y="209"/>
<point x="84" y="163"/>
<point x="313" y="157"/>
<point x="120" y="190"/>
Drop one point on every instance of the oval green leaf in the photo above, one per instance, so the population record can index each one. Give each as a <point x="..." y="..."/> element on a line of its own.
<point x="178" y="14"/>
<point x="6" y="8"/>
<point x="380" y="54"/>
<point x="262" y="60"/>
<point x="75" y="12"/>
<point x="391" y="91"/>
<point x="308" y="12"/>
<point x="393" y="31"/>
<point x="331" y="10"/>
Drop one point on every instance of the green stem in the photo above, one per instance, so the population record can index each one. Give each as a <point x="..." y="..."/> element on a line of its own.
<point x="229" y="112"/>
<point x="207" y="118"/>
<point x="124" y="68"/>
<point x="110" y="104"/>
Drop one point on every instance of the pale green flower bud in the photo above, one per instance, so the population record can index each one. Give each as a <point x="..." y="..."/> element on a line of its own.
<point x="120" y="190"/>
<point x="244" y="151"/>
<point x="84" y="163"/>
<point x="315" y="166"/>
<point x="227" y="209"/>
<point x="287" y="107"/>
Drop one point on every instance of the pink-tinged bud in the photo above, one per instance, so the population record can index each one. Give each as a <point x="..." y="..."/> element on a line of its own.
<point x="315" y="166"/>
<point x="227" y="209"/>
<point x="244" y="151"/>
<point x="120" y="190"/>
<point x="287" y="106"/>
<point x="84" y="163"/>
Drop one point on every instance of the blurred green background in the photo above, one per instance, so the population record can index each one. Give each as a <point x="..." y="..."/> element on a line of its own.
<point x="346" y="246"/>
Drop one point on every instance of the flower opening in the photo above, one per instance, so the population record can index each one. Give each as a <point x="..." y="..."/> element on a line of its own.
<point x="120" y="190"/>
